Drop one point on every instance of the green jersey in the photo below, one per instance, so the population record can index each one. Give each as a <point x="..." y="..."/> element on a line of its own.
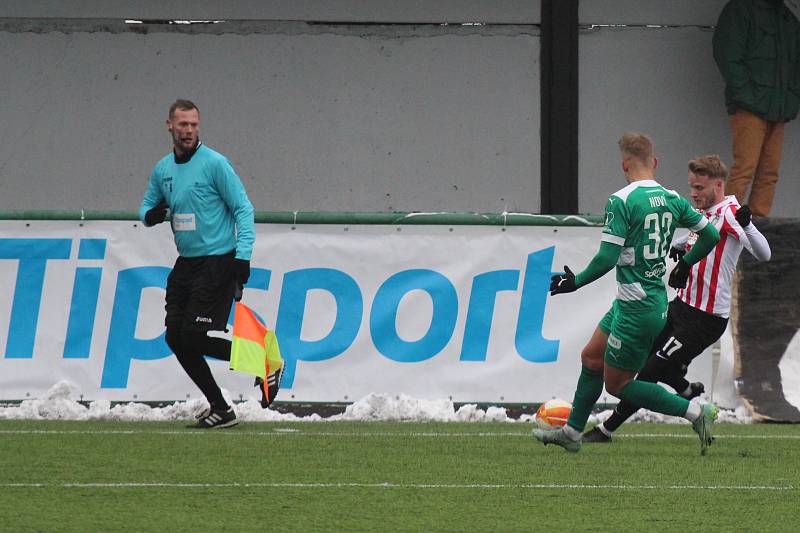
<point x="642" y="218"/>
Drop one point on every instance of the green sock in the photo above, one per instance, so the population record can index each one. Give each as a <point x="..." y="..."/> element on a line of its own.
<point x="654" y="397"/>
<point x="590" y="387"/>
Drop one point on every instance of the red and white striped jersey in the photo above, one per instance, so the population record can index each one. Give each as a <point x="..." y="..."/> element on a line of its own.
<point x="710" y="279"/>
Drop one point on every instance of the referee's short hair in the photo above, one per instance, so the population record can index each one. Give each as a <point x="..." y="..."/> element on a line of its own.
<point x="709" y="165"/>
<point x="185" y="105"/>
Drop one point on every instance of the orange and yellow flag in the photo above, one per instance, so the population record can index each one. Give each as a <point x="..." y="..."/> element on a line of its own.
<point x="254" y="349"/>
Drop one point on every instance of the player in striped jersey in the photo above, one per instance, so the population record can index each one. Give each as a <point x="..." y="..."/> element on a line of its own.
<point x="640" y="221"/>
<point x="699" y="313"/>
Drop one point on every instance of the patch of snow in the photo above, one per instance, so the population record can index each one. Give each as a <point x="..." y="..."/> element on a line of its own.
<point x="60" y="403"/>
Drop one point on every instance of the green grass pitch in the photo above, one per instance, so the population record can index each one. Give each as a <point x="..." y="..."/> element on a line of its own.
<point x="381" y="476"/>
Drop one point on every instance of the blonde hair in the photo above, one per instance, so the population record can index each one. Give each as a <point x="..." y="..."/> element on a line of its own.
<point x="638" y="146"/>
<point x="709" y="165"/>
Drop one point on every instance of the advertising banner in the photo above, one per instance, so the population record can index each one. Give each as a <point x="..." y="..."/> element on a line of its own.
<point x="431" y="311"/>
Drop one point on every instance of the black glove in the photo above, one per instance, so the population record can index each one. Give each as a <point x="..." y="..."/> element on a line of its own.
<point x="743" y="216"/>
<point x="679" y="275"/>
<point x="563" y="283"/>
<point x="242" y="268"/>
<point x="157" y="214"/>
<point x="676" y="253"/>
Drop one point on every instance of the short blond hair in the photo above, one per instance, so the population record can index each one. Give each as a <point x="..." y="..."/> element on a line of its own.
<point x="637" y="145"/>
<point x="709" y="165"/>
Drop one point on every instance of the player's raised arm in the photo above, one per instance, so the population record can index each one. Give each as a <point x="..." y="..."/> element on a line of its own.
<point x="752" y="239"/>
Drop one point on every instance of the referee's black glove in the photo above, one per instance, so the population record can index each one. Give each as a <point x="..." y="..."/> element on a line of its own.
<point x="743" y="216"/>
<point x="676" y="253"/>
<point x="242" y="268"/>
<point x="679" y="274"/>
<point x="563" y="283"/>
<point x="157" y="214"/>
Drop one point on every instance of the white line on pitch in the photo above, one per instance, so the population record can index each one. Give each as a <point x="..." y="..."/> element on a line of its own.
<point x="480" y="486"/>
<point x="289" y="433"/>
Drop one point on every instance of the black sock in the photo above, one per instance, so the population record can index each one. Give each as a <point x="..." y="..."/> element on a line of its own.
<point x="673" y="375"/>
<point x="189" y="347"/>
<point x="623" y="411"/>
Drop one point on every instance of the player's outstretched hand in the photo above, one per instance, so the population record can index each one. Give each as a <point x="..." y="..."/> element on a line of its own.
<point x="676" y="253"/>
<point x="679" y="274"/>
<point x="563" y="283"/>
<point x="743" y="216"/>
<point x="157" y="214"/>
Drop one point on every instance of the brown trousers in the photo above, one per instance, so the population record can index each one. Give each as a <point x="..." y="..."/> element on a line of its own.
<point x="757" y="146"/>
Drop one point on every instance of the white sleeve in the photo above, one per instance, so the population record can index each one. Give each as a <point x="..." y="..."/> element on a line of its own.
<point x="679" y="241"/>
<point x="750" y="237"/>
<point x="756" y="243"/>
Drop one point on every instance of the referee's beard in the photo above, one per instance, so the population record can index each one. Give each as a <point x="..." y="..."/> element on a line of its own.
<point x="184" y="146"/>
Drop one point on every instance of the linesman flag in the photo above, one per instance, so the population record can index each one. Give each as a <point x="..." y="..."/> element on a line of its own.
<point x="255" y="351"/>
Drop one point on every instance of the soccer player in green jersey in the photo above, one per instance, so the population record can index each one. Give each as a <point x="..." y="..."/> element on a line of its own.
<point x="640" y="221"/>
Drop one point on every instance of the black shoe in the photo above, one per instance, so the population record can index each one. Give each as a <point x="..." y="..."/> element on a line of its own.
<point x="695" y="390"/>
<point x="215" y="419"/>
<point x="595" y="435"/>
<point x="270" y="390"/>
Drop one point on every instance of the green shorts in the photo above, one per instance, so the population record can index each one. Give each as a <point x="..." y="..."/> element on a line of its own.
<point x="631" y="335"/>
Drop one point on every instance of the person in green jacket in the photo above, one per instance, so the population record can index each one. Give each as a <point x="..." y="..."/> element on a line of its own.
<point x="756" y="49"/>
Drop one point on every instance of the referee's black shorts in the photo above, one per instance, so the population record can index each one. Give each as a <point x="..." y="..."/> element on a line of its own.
<point x="200" y="292"/>
<point x="688" y="332"/>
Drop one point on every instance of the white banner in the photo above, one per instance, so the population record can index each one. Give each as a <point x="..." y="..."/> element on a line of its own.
<point x="458" y="312"/>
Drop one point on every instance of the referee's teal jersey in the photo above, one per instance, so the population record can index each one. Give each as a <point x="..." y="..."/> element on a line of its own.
<point x="211" y="214"/>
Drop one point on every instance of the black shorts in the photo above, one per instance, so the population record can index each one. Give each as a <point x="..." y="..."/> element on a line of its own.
<point x="688" y="332"/>
<point x="200" y="292"/>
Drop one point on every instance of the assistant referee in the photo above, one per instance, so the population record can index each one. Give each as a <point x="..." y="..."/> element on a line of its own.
<point x="213" y="226"/>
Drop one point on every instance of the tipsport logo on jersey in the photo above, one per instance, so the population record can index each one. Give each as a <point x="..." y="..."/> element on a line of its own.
<point x="355" y="308"/>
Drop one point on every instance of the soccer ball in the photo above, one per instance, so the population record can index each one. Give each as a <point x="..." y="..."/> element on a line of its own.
<point x="553" y="414"/>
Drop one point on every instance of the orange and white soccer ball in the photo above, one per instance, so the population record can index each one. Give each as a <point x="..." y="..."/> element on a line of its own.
<point x="553" y="414"/>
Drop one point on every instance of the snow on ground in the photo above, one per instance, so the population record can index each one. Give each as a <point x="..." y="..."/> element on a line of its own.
<point x="59" y="403"/>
